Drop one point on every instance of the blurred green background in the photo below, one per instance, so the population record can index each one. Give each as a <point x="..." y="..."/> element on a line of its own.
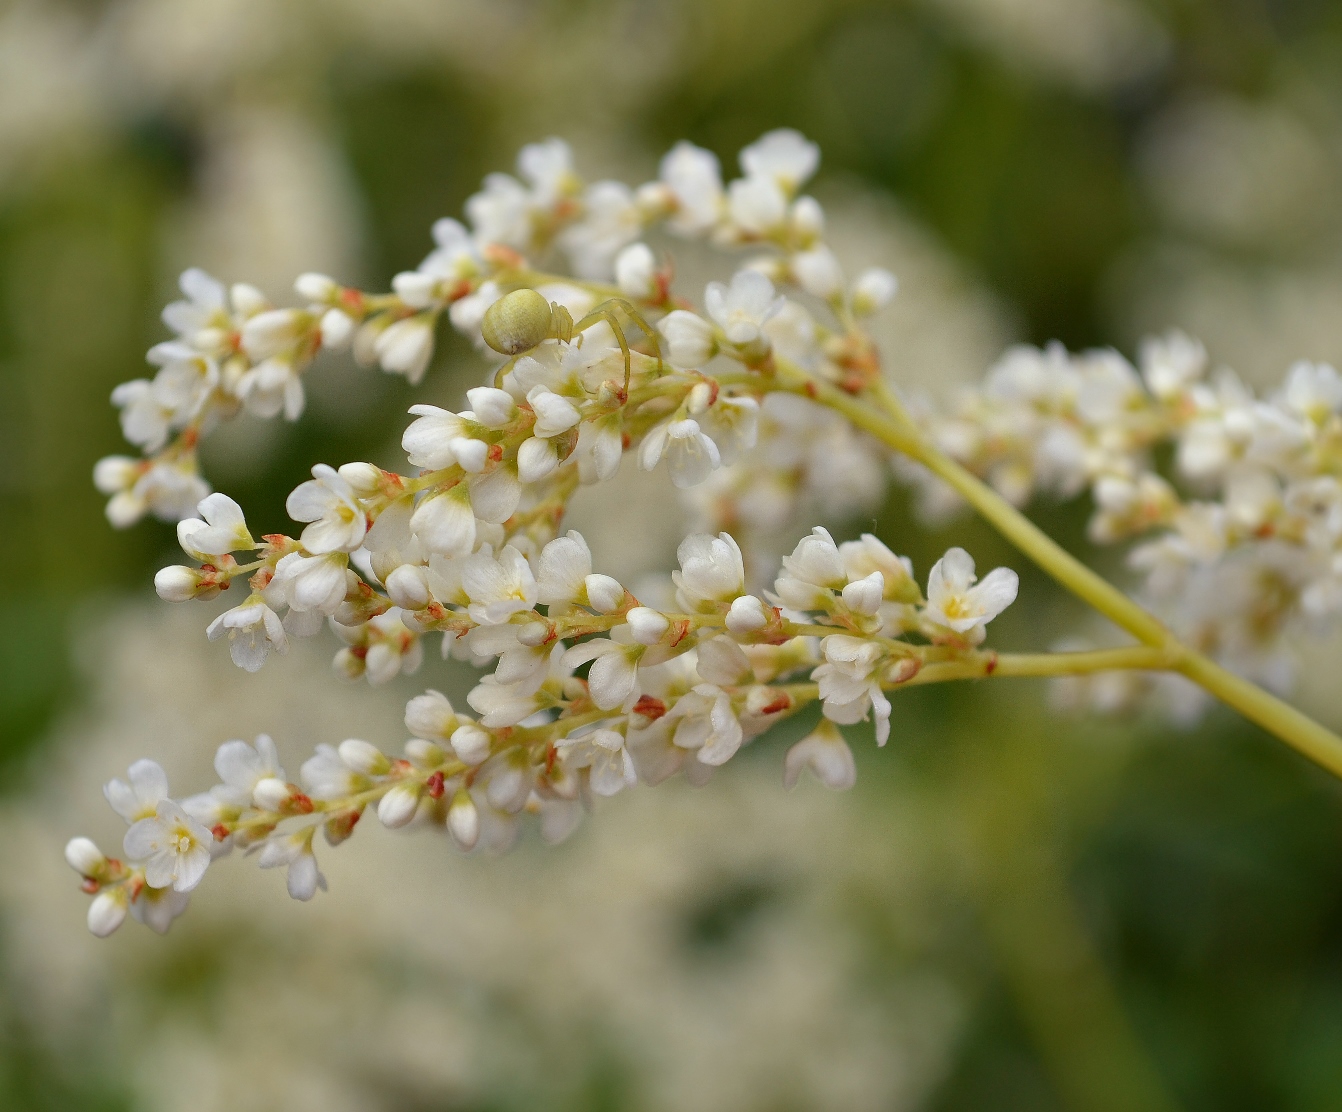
<point x="1018" y="911"/>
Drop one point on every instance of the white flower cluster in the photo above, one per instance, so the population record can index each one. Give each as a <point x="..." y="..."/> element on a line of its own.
<point x="1241" y="546"/>
<point x="663" y="692"/>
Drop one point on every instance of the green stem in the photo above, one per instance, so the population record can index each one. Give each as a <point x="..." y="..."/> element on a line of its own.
<point x="896" y="430"/>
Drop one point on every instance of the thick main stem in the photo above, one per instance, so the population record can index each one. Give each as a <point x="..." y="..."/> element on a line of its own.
<point x="1298" y="730"/>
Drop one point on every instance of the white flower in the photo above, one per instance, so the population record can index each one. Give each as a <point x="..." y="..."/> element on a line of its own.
<point x="599" y="449"/>
<point x="241" y="767"/>
<point x="498" y="588"/>
<point x="870" y="554"/>
<point x="554" y="413"/>
<point x="613" y="677"/>
<point x="602" y="753"/>
<point x="636" y="272"/>
<point x="850" y="682"/>
<point x="471" y="744"/>
<point x="429" y="441"/>
<point x="312" y="583"/>
<point x="273" y="385"/>
<point x="201" y="320"/>
<point x="812" y="573"/>
<point x="140" y="797"/>
<point x="611" y="219"/>
<point x="337" y="329"/>
<point x="445" y="522"/>
<point x="864" y="596"/>
<point x="689" y="339"/>
<point x="955" y="602"/>
<point x="253" y="630"/>
<point x="82" y="855"/>
<point x="223" y="530"/>
<point x="156" y="908"/>
<point x="562" y="571"/>
<point x="785" y="155"/>
<point x="406" y="346"/>
<point x="693" y="176"/>
<point x="733" y="424"/>
<point x="1313" y="390"/>
<point x="326" y="777"/>
<point x="463" y="820"/>
<point x="711" y="574"/>
<point x="547" y="167"/>
<point x="295" y="851"/>
<point x="501" y="212"/>
<point x="537" y="457"/>
<point x="456" y="255"/>
<point x="1171" y="364"/>
<point x="757" y="206"/>
<point x="337" y="521"/>
<point x="825" y="753"/>
<point x="646" y="626"/>
<point x="705" y="721"/>
<point x="174" y="847"/>
<point x="742" y="308"/>
<point x="493" y="408"/>
<point x="691" y="455"/>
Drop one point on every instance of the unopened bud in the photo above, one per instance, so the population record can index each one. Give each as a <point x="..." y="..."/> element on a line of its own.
<point x="493" y="408"/>
<point x="316" y="287"/>
<point x="604" y="594"/>
<point x="463" y="820"/>
<point x="873" y="291"/>
<point x="363" y="757"/>
<point x="424" y="754"/>
<point x="247" y="299"/>
<point x="636" y="271"/>
<point x="271" y="794"/>
<point x="864" y="596"/>
<point x="818" y="272"/>
<point x="108" y="911"/>
<point x="808" y="219"/>
<point x="747" y="614"/>
<point x="178" y="583"/>
<point x="646" y="625"/>
<point x="471" y="744"/>
<point x="415" y="289"/>
<point x="408" y="586"/>
<point x="337" y="329"/>
<point x="399" y="805"/>
<point x="430" y="716"/>
<point x="85" y="858"/>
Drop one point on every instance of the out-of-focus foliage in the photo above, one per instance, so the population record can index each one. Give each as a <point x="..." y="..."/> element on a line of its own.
<point x="1095" y="916"/>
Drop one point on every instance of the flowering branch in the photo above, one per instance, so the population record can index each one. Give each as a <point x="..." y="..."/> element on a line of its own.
<point x="762" y="414"/>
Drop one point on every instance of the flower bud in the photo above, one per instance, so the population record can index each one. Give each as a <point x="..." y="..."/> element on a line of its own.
<point x="271" y="794"/>
<point x="472" y="455"/>
<point x="517" y="322"/>
<point x="363" y="478"/>
<point x="337" y="329"/>
<point x="424" y="754"/>
<point x="689" y="339"/>
<point x="604" y="594"/>
<point x="533" y="634"/>
<point x="873" y="291"/>
<point x="463" y="820"/>
<point x="808" y="219"/>
<point x="431" y="716"/>
<point x="495" y="409"/>
<point x="826" y="754"/>
<point x="177" y="583"/>
<point x="747" y="614"/>
<point x="363" y="757"/>
<point x="864" y="596"/>
<point x="818" y="272"/>
<point x="408" y="586"/>
<point x="471" y="744"/>
<point x="108" y="911"/>
<point x="85" y="858"/>
<point x="347" y="664"/>
<point x="536" y="458"/>
<point x="247" y="299"/>
<point x="636" y="272"/>
<point x="414" y="288"/>
<point x="399" y="805"/>
<point x="646" y="625"/>
<point x="316" y="287"/>
<point x="699" y="398"/>
<point x="112" y="474"/>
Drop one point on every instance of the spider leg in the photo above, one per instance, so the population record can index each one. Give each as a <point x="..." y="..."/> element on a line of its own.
<point x="603" y="312"/>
